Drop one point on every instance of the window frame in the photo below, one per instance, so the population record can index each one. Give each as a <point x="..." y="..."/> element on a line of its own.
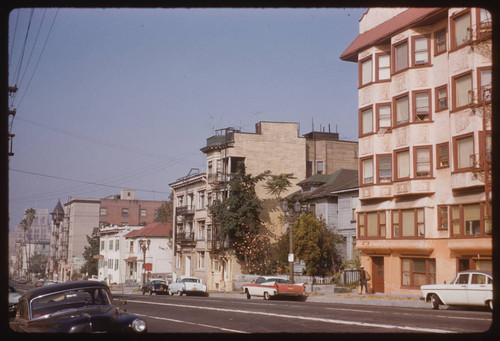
<point x="393" y="56"/>
<point x="437" y="107"/>
<point x="455" y="152"/>
<point x="415" y="115"/>
<point x="461" y="221"/>
<point x="394" y="111"/>
<point x="361" y="121"/>
<point x="399" y="214"/>
<point x="377" y="116"/>
<point x="378" y="68"/>
<point x="438" y="155"/>
<point x="362" y="219"/>
<point x="361" y="172"/>
<point x="429" y="278"/>
<point x="396" y="166"/>
<point x="436" y="33"/>
<point x="480" y="87"/>
<point x="440" y="223"/>
<point x="415" y="162"/>
<point x="379" y="156"/>
<point x="454" y="98"/>
<point x="453" y="18"/>
<point x="414" y="51"/>
<point x="360" y="71"/>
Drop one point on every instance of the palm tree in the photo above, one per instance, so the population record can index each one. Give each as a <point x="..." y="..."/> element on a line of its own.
<point x="29" y="214"/>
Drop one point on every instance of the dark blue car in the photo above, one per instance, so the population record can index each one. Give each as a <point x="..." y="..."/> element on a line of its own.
<point x="73" y="307"/>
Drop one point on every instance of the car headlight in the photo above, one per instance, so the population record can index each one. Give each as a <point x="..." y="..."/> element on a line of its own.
<point x="139" y="325"/>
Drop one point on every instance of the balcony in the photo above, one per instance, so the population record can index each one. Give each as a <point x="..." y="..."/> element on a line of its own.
<point x="184" y="210"/>
<point x="184" y="237"/>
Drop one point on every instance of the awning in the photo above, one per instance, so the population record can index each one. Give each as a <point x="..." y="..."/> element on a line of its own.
<point x="98" y="256"/>
<point x="130" y="259"/>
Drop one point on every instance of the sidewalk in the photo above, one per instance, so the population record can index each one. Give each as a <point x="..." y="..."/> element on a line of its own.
<point x="348" y="298"/>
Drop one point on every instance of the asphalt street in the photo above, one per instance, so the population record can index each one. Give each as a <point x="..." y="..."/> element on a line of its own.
<point x="231" y="314"/>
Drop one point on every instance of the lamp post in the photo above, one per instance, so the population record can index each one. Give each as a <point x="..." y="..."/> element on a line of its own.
<point x="144" y="245"/>
<point x="291" y="256"/>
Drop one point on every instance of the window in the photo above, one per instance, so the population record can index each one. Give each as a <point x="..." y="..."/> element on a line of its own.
<point x="117" y="245"/>
<point x="442" y="217"/>
<point x="401" y="106"/>
<point x="103" y="211"/>
<point x="460" y="29"/>
<point x="422" y="105"/>
<point x="421" y="51"/>
<point x="463" y="152"/>
<point x="366" y="121"/>
<point x="402" y="164"/>
<point x="102" y="245"/>
<point x="384" y="168"/>
<point x="383" y="65"/>
<point x="372" y="224"/>
<point x="408" y="223"/>
<point x="367" y="171"/>
<point x="462" y="85"/>
<point x="124" y="212"/>
<point x="383" y="116"/>
<point x="366" y="71"/>
<point x="143" y="213"/>
<point x="201" y="200"/>
<point x="400" y="53"/>
<point x="440" y="41"/>
<point x="319" y="167"/>
<point x="441" y="98"/>
<point x="484" y="85"/>
<point x="423" y="162"/>
<point x="442" y="155"/>
<point x="418" y="271"/>
<point x="111" y="244"/>
<point x="469" y="220"/>
<point x="131" y="246"/>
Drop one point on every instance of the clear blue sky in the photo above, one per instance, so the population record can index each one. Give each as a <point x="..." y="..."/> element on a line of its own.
<point x="127" y="97"/>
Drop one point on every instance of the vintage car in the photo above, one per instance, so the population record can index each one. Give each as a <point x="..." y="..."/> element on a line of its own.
<point x="469" y="288"/>
<point x="13" y="300"/>
<point x="272" y="286"/>
<point x="157" y="286"/>
<point x="188" y="285"/>
<point x="73" y="307"/>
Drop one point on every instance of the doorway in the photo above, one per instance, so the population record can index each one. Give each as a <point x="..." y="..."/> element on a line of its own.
<point x="377" y="274"/>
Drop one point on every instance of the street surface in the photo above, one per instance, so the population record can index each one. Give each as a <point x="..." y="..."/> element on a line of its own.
<point x="193" y="314"/>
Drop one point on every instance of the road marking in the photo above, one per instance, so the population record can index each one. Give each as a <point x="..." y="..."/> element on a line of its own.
<point x="357" y="310"/>
<point x="196" y="324"/>
<point x="307" y="318"/>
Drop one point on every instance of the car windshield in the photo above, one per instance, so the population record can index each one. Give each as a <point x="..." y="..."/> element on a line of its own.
<point x="159" y="282"/>
<point x="71" y="299"/>
<point x="194" y="280"/>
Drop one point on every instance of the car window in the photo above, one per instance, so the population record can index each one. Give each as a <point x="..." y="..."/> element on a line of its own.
<point x="260" y="280"/>
<point x="478" y="279"/>
<point x="490" y="280"/>
<point x="23" y="309"/>
<point x="70" y="299"/>
<point x="462" y="279"/>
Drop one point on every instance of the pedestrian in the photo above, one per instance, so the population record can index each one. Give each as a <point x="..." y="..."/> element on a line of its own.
<point x="364" y="277"/>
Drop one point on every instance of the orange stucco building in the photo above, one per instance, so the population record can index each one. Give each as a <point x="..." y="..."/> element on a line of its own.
<point x="424" y="100"/>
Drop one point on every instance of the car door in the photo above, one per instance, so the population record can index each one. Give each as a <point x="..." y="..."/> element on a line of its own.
<point x="456" y="293"/>
<point x="479" y="291"/>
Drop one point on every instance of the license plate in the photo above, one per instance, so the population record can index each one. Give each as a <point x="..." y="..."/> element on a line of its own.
<point x="194" y="288"/>
<point x="290" y="288"/>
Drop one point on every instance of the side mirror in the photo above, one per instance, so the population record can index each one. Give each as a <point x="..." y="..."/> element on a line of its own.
<point x="122" y="304"/>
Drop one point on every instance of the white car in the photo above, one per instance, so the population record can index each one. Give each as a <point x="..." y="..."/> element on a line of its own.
<point x="272" y="286"/>
<point x="473" y="288"/>
<point x="188" y="285"/>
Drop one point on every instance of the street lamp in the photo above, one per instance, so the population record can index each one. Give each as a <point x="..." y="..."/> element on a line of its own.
<point x="296" y="208"/>
<point x="144" y="245"/>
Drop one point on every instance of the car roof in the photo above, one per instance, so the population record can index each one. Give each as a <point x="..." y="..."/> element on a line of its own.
<point x="43" y="290"/>
<point x="484" y="272"/>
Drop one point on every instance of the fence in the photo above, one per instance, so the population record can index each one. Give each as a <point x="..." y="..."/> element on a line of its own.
<point x="349" y="276"/>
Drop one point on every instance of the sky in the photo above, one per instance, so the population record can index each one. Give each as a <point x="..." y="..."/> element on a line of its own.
<point x="112" y="99"/>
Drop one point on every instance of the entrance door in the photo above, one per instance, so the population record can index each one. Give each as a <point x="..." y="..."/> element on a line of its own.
<point x="377" y="274"/>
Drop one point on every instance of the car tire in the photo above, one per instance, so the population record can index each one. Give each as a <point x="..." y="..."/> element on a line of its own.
<point x="266" y="295"/>
<point x="435" y="301"/>
<point x="144" y="292"/>
<point x="170" y="293"/>
<point x="490" y="304"/>
<point x="150" y="292"/>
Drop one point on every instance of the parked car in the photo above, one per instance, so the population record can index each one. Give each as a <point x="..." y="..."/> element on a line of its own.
<point x="157" y="286"/>
<point x="73" y="307"/>
<point x="188" y="285"/>
<point x="469" y="288"/>
<point x="13" y="300"/>
<point x="272" y="286"/>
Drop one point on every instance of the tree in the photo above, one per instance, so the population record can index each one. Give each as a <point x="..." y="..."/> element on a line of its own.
<point x="314" y="243"/>
<point x="238" y="215"/>
<point x="90" y="250"/>
<point x="26" y="223"/>
<point x="39" y="264"/>
<point x="256" y="250"/>
<point x="165" y="212"/>
<point x="276" y="184"/>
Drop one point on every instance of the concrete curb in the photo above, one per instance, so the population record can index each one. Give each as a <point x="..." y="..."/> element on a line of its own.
<point x="375" y="300"/>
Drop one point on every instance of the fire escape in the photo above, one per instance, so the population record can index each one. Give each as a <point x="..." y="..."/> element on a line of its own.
<point x="480" y="104"/>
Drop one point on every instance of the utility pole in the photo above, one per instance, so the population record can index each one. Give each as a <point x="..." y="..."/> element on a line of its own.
<point x="12" y="112"/>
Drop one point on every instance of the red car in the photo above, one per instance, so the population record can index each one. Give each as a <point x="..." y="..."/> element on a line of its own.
<point x="272" y="286"/>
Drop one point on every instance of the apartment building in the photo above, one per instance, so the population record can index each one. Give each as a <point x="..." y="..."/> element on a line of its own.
<point x="424" y="100"/>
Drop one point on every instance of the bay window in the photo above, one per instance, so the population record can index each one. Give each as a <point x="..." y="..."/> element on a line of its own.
<point x="460" y="29"/>
<point x="367" y="171"/>
<point x="366" y="71"/>
<point x="423" y="162"/>
<point x="462" y="85"/>
<point x="400" y="53"/>
<point x="402" y="164"/>
<point x="383" y="65"/>
<point x="384" y="168"/>
<point x="470" y="220"/>
<point x="421" y="51"/>
<point x="463" y="152"/>
<point x="383" y="116"/>
<point x="408" y="223"/>
<point x="401" y="105"/>
<point x="366" y="121"/>
<point x="418" y="271"/>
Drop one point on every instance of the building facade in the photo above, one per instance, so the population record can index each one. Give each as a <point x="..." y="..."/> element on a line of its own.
<point x="424" y="144"/>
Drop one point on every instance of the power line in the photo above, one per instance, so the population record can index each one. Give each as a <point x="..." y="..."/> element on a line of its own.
<point x="81" y="181"/>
